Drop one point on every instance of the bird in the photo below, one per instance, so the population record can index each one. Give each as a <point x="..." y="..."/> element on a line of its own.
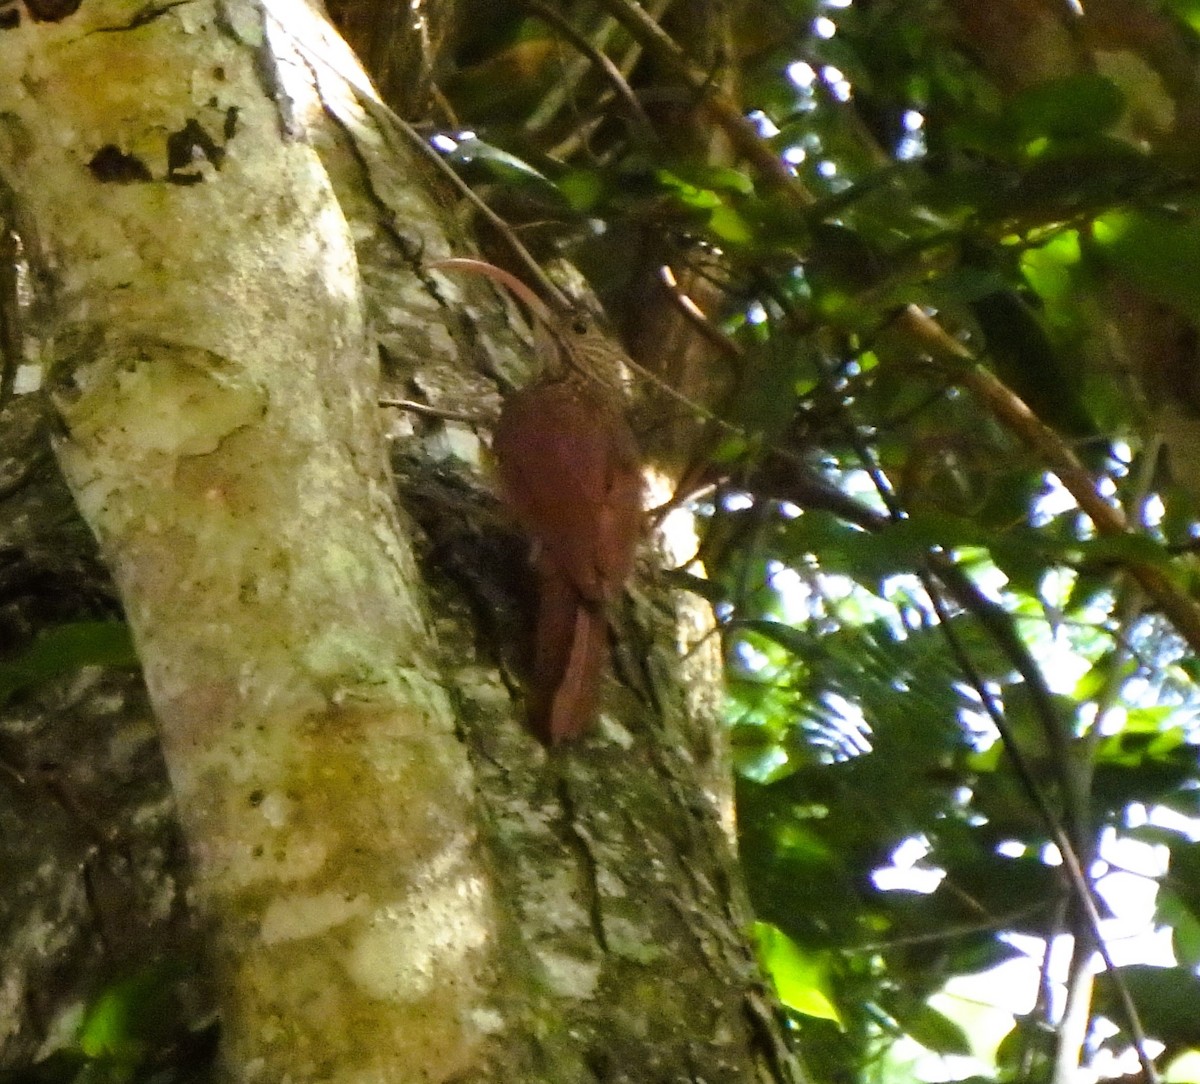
<point x="569" y="469"/>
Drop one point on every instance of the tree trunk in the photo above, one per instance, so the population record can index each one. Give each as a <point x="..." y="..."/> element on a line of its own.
<point x="396" y="881"/>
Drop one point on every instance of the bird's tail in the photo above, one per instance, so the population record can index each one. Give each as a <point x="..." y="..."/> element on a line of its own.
<point x="570" y="650"/>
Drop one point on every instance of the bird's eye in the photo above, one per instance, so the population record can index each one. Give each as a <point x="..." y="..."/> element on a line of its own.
<point x="579" y="325"/>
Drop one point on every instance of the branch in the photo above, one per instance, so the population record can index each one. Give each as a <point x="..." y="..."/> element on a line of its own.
<point x="809" y="490"/>
<point x="1012" y="412"/>
<point x="10" y="310"/>
<point x="608" y="69"/>
<point x="1003" y="403"/>
<point x="391" y="123"/>
<point x="742" y="134"/>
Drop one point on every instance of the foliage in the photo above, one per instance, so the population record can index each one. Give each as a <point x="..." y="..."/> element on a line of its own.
<point x="932" y="651"/>
<point x="133" y="1031"/>
<point x="62" y="649"/>
<point x="942" y="679"/>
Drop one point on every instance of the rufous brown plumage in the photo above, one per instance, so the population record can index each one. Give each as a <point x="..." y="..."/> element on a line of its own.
<point x="569" y="468"/>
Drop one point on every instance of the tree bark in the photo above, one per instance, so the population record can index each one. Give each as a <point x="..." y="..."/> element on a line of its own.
<point x="396" y="881"/>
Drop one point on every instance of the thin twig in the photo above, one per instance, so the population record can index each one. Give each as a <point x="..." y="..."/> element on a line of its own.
<point x="391" y="122"/>
<point x="946" y="933"/>
<point x="1009" y="409"/>
<point x="428" y="411"/>
<point x="998" y="624"/>
<point x="10" y="307"/>
<point x="598" y="58"/>
<point x="742" y="134"/>
<point x="1076" y="875"/>
<point x="1183" y="612"/>
<point x="694" y="315"/>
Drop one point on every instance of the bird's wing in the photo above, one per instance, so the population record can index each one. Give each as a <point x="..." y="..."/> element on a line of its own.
<point x="568" y="468"/>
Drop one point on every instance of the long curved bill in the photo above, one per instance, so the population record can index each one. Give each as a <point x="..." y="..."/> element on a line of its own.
<point x="537" y="307"/>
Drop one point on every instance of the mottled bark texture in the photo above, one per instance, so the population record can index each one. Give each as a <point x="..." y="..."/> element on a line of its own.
<point x="398" y="42"/>
<point x="92" y="887"/>
<point x="396" y="881"/>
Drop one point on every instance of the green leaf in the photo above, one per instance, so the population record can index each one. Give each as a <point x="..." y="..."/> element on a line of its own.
<point x="730" y="180"/>
<point x="843" y="261"/>
<point x="965" y="284"/>
<point x="64" y="648"/>
<point x="107" y="1031"/>
<point x="1048" y="268"/>
<point x="1183" y="877"/>
<point x="1101" y="676"/>
<point x="706" y="588"/>
<point x="730" y="226"/>
<point x="581" y="188"/>
<point x="794" y="640"/>
<point x="933" y="1030"/>
<point x="1158" y="252"/>
<point x="1173" y="912"/>
<point x="1027" y="1049"/>
<point x="1027" y="360"/>
<point x="1130" y="548"/>
<point x="801" y="979"/>
<point x="1187" y="10"/>
<point x="499" y="163"/>
<point x="1166" y="998"/>
<point x="983" y="954"/>
<point x="765" y="401"/>
<point x="1089" y="176"/>
<point x="1073" y="105"/>
<point x="135" y="1016"/>
<point x="688" y="194"/>
<point x="1090" y="585"/>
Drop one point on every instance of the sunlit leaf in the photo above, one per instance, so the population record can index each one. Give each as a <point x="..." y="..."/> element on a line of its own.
<point x="729" y="226"/>
<point x="688" y="194"/>
<point x="1187" y="10"/>
<point x="801" y="979"/>
<point x="1151" y="249"/>
<point x="136" y="1016"/>
<point x="1048" y="268"/>
<point x="500" y="163"/>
